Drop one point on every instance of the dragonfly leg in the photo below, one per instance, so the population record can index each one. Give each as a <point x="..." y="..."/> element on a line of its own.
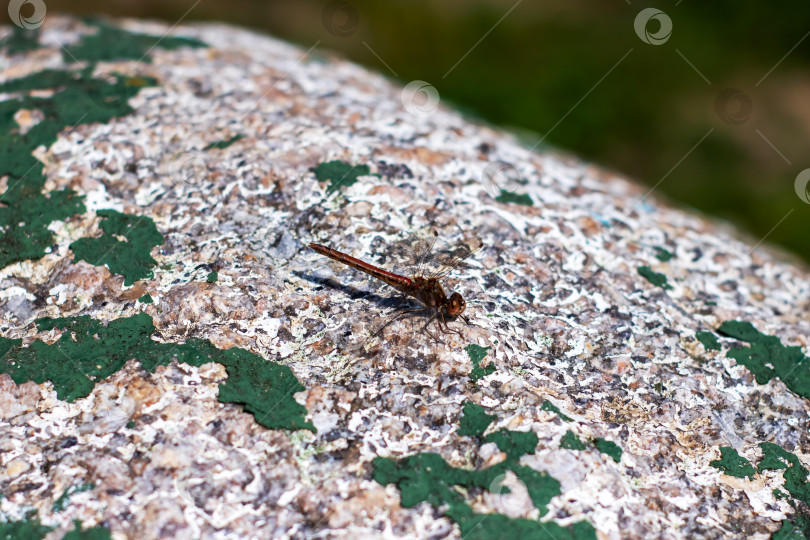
<point x="427" y="324"/>
<point x="447" y="328"/>
<point x="397" y="317"/>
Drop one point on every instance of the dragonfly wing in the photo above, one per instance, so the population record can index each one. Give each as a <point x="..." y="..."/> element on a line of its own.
<point x="453" y="258"/>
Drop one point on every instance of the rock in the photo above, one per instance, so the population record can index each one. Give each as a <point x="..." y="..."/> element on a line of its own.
<point x="176" y="362"/>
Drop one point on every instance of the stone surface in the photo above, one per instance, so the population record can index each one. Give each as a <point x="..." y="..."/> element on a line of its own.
<point x="201" y="165"/>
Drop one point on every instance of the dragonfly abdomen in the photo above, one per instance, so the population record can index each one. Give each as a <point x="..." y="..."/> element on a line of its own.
<point x="395" y="280"/>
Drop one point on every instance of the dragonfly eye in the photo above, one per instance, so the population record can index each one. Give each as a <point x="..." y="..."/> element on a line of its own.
<point x="456" y="305"/>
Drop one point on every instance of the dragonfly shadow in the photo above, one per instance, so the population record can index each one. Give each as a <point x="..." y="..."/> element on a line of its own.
<point x="392" y="301"/>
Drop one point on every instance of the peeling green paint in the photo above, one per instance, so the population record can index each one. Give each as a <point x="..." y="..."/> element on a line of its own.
<point x="516" y="198"/>
<point x="146" y="299"/>
<point x="733" y="464"/>
<point x="476" y="354"/>
<point x="224" y="143"/>
<point x="709" y="340"/>
<point x="94" y="533"/>
<point x="21" y="40"/>
<point x="340" y="174"/>
<point x="428" y="478"/>
<point x="212" y="277"/>
<point x="474" y="420"/>
<point x="549" y="406"/>
<point x="27" y="529"/>
<point x="774" y="457"/>
<point x="88" y="352"/>
<point x="570" y="441"/>
<point x="113" y="43"/>
<point x="608" y="447"/>
<point x="514" y="443"/>
<point x="61" y="503"/>
<point x="663" y="255"/>
<point x="78" y="98"/>
<point x="659" y="280"/>
<point x="130" y="258"/>
<point x="767" y="358"/>
<point x="789" y="531"/>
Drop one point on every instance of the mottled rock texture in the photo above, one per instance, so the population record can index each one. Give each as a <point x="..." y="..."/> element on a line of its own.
<point x="177" y="363"/>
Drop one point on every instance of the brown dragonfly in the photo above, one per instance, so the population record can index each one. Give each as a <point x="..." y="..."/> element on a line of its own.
<point x="425" y="288"/>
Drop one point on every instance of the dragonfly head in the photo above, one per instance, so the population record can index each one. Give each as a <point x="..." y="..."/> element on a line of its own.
<point x="455" y="305"/>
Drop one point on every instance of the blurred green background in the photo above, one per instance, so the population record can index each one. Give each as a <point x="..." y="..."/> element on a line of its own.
<point x="719" y="108"/>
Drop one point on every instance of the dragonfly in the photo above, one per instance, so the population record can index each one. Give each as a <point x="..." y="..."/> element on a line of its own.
<point x="424" y="287"/>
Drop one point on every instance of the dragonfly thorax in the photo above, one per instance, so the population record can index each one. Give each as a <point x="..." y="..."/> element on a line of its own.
<point x="430" y="293"/>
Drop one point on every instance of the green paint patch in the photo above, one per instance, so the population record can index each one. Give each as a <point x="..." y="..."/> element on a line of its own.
<point x="767" y="358"/>
<point x="733" y="464"/>
<point x="474" y="420"/>
<point x="27" y="529"/>
<point x="340" y="174"/>
<point x="570" y="441"/>
<point x="663" y="255"/>
<point x="94" y="533"/>
<point x="514" y="443"/>
<point x="709" y="340"/>
<point x="427" y="477"/>
<point x="212" y="277"/>
<point x="477" y="354"/>
<point x="130" y="257"/>
<point x="77" y="98"/>
<point x="516" y="198"/>
<point x="498" y="526"/>
<point x="146" y="299"/>
<point x="88" y="352"/>
<point x="789" y="531"/>
<point x="225" y="143"/>
<point x="659" y="280"/>
<point x="774" y="457"/>
<point x="608" y="447"/>
<point x="112" y="43"/>
<point x="21" y="40"/>
<point x="549" y="406"/>
<point x="61" y="503"/>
